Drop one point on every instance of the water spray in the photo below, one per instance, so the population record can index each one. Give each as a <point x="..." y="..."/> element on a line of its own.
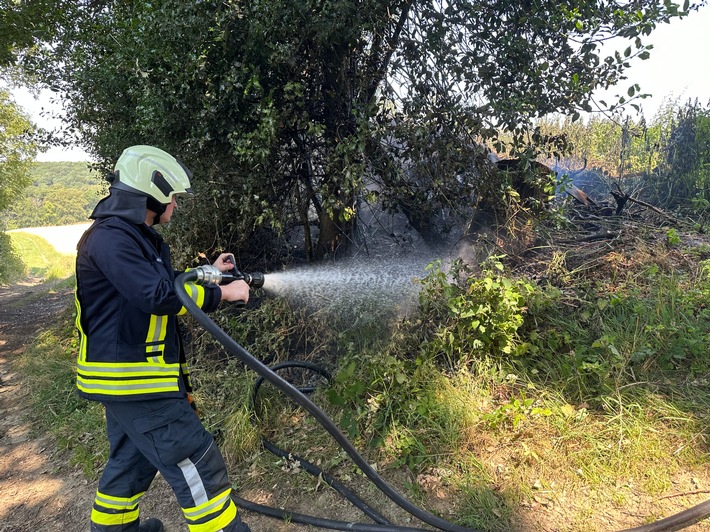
<point x="349" y="286"/>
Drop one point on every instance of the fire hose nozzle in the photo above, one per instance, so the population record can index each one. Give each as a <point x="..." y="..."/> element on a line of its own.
<point x="254" y="279"/>
<point x="211" y="275"/>
<point x="208" y="275"/>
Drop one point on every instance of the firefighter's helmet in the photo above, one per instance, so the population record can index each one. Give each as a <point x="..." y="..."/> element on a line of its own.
<point x="151" y="172"/>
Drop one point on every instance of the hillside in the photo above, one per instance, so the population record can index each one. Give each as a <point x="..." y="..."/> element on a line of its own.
<point x="61" y="193"/>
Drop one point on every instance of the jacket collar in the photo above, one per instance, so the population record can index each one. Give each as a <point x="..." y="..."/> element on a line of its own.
<point x="122" y="203"/>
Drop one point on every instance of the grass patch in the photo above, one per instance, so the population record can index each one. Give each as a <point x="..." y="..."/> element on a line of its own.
<point x="11" y="265"/>
<point x="40" y="258"/>
<point x="503" y="399"/>
<point x="528" y="395"/>
<point x="78" y="425"/>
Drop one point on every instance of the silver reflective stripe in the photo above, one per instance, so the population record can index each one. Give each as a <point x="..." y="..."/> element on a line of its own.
<point x="157" y="324"/>
<point x="127" y="368"/>
<point x="168" y="385"/>
<point x="116" y="501"/>
<point x="194" y="481"/>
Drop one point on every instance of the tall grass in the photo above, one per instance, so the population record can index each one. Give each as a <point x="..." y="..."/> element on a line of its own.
<point x="499" y="397"/>
<point x="40" y="259"/>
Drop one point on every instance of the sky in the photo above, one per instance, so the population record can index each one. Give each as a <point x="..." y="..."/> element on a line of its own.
<point x="675" y="70"/>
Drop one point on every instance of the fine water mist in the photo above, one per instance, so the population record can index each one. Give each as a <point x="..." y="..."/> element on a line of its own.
<point x="350" y="284"/>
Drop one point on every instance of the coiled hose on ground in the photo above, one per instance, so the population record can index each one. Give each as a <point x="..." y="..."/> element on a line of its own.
<point x="675" y="522"/>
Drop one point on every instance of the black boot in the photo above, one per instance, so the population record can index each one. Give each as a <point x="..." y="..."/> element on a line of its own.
<point x="150" y="525"/>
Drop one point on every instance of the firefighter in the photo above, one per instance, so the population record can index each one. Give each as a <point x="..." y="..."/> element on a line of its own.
<point x="131" y="358"/>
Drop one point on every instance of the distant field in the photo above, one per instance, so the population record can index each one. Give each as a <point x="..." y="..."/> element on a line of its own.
<point x="62" y="238"/>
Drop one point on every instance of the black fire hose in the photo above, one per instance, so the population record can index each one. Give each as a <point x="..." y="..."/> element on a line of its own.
<point x="677" y="521"/>
<point x="301" y="400"/>
<point x="310" y="468"/>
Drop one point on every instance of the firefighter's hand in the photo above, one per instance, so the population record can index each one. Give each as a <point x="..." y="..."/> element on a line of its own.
<point x="238" y="291"/>
<point x="225" y="262"/>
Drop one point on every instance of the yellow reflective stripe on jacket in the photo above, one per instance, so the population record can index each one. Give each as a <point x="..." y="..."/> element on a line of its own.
<point x="128" y="369"/>
<point x="127" y="387"/>
<point x="118" y="503"/>
<point x="156" y="334"/>
<point x="185" y="370"/>
<point x="196" y="293"/>
<point x="82" y="336"/>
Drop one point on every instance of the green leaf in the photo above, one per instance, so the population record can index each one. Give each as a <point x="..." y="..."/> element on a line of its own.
<point x="335" y="398"/>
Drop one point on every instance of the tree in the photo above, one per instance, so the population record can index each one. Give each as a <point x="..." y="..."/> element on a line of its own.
<point x="297" y="113"/>
<point x="17" y="150"/>
<point x="26" y="25"/>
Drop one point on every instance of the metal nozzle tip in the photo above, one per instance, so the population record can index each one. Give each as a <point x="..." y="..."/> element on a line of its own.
<point x="255" y="279"/>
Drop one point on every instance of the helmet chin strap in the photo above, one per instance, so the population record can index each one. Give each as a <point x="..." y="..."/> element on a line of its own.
<point x="157" y="207"/>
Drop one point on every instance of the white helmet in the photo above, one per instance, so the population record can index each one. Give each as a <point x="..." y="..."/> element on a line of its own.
<point x="151" y="172"/>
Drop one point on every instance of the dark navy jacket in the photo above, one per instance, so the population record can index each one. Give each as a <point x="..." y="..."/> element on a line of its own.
<point x="129" y="345"/>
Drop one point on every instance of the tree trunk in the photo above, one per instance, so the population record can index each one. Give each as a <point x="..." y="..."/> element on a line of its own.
<point x="330" y="237"/>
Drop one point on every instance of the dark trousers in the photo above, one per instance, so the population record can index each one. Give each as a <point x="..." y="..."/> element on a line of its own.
<point x="162" y="435"/>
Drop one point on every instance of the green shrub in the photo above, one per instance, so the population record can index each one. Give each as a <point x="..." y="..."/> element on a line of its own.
<point x="11" y="265"/>
<point x="402" y="395"/>
<point x="472" y="316"/>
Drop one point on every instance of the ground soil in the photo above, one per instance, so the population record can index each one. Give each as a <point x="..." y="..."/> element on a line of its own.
<point x="40" y="491"/>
